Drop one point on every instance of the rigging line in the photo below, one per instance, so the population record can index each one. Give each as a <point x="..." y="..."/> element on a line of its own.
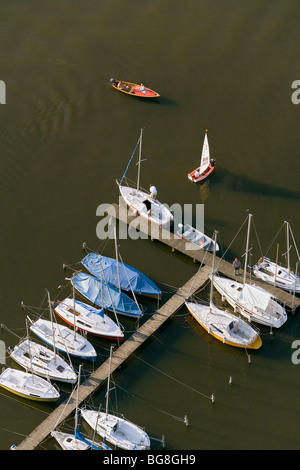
<point x="270" y="245"/>
<point x="130" y="159"/>
<point x="151" y="406"/>
<point x="261" y="253"/>
<point x="232" y="242"/>
<point x="173" y="378"/>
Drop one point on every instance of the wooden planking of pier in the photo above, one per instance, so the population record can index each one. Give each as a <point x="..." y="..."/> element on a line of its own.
<point x="97" y="378"/>
<point x="125" y="215"/>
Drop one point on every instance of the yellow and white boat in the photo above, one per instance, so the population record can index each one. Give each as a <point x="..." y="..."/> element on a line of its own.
<point x="225" y="326"/>
<point x="28" y="385"/>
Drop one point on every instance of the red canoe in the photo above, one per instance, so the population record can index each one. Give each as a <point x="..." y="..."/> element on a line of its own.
<point x="133" y="89"/>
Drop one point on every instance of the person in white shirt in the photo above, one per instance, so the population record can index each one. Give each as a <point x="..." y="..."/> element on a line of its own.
<point x="153" y="192"/>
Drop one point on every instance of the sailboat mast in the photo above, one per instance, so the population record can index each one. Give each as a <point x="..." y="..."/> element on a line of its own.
<point x="139" y="163"/>
<point x="213" y="270"/>
<point x="108" y="383"/>
<point x="288" y="246"/>
<point x="117" y="258"/>
<point x="247" y="247"/>
<point x="77" y="397"/>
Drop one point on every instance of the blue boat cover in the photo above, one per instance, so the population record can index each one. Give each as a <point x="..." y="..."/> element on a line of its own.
<point x="91" y="309"/>
<point x="130" y="278"/>
<point x="107" y="297"/>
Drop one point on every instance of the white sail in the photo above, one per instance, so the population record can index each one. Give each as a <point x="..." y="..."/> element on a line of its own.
<point x="205" y="159"/>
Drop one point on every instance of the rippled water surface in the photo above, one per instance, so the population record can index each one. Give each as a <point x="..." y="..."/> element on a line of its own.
<point x="66" y="136"/>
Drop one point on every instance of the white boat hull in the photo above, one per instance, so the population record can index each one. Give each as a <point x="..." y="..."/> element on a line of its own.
<point x="88" y="319"/>
<point x="27" y="385"/>
<point x="224" y="326"/>
<point x="43" y="362"/>
<point x="69" y="441"/>
<point x="118" y="431"/>
<point x="269" y="312"/>
<point x="276" y="275"/>
<point x="156" y="212"/>
<point x="63" y="339"/>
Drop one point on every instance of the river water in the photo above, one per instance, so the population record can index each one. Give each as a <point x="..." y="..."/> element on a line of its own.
<point x="65" y="138"/>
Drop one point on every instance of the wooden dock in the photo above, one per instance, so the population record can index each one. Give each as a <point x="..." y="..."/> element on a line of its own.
<point x="119" y="357"/>
<point x="97" y="378"/>
<point x="176" y="243"/>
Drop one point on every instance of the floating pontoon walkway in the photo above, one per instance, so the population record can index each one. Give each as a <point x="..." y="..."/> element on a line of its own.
<point x="96" y="379"/>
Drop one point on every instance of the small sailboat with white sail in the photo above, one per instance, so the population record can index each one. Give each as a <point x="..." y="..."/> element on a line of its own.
<point x="207" y="165"/>
<point x="42" y="361"/>
<point x="223" y="325"/>
<point x="114" y="429"/>
<point x="28" y="385"/>
<point x="62" y="338"/>
<point x="141" y="202"/>
<point x="253" y="302"/>
<point x="277" y="274"/>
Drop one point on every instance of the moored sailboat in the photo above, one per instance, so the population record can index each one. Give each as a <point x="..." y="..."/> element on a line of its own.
<point x="28" y="385"/>
<point x="222" y="325"/>
<point x="253" y="302"/>
<point x="275" y="273"/>
<point x="142" y="203"/>
<point x="115" y="429"/>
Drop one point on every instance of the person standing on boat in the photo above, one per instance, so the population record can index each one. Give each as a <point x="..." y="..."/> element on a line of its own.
<point x="236" y="265"/>
<point x="153" y="191"/>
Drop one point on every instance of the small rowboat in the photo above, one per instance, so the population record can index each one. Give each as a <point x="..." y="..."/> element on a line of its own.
<point x="133" y="89"/>
<point x="206" y="167"/>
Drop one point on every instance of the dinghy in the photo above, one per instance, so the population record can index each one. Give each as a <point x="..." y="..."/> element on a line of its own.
<point x="222" y="325"/>
<point x="88" y="319"/>
<point x="102" y="295"/>
<point x="120" y="274"/>
<point x="142" y="203"/>
<point x="27" y="385"/>
<point x="114" y="429"/>
<point x="192" y="235"/>
<point x="133" y="89"/>
<point x="43" y="362"/>
<point x="207" y="165"/>
<point x="253" y="302"/>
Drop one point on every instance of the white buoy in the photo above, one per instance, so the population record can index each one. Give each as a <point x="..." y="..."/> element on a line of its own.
<point x="186" y="421"/>
<point x="212" y="398"/>
<point x="230" y="380"/>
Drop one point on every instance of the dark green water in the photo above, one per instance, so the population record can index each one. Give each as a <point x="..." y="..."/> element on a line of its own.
<point x="66" y="136"/>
